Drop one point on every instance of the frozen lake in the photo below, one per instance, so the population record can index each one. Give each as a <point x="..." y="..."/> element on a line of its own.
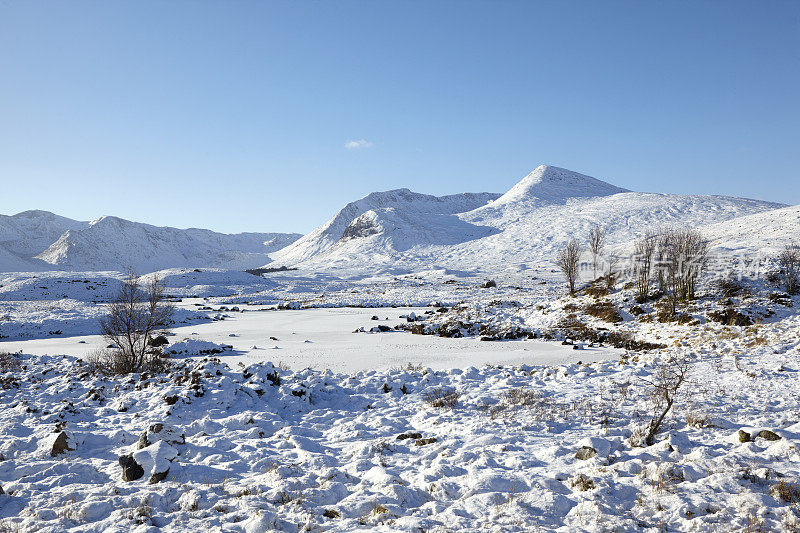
<point x="324" y="338"/>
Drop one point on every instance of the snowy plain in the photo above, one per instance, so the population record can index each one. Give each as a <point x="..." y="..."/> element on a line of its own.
<point x="324" y="338"/>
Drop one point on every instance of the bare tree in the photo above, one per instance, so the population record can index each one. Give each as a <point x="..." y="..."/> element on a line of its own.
<point x="643" y="251"/>
<point x="789" y="268"/>
<point x="597" y="241"/>
<point x="138" y="311"/>
<point x="665" y="383"/>
<point x="684" y="256"/>
<point x="568" y="260"/>
<point x="612" y="274"/>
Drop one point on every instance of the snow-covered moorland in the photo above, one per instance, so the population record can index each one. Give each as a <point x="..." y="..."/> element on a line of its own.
<point x="416" y="365"/>
<point x="498" y="448"/>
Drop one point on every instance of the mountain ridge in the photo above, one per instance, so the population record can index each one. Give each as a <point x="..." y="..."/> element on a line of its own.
<point x="39" y="240"/>
<point x="530" y="222"/>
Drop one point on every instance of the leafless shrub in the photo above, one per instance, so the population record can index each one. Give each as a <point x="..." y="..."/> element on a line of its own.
<point x="568" y="261"/>
<point x="604" y="310"/>
<point x="611" y="272"/>
<point x="788" y="492"/>
<point x="684" y="256"/>
<point x="665" y="382"/>
<point x="698" y="420"/>
<point x="782" y="299"/>
<point x="442" y="398"/>
<point x="597" y="241"/>
<point x="730" y="317"/>
<point x="788" y="273"/>
<point x="582" y="482"/>
<point x="731" y="287"/>
<point x="666" y="477"/>
<point x="138" y="311"/>
<point x="643" y="251"/>
<point x="522" y="396"/>
<point x="283" y="498"/>
<point x="9" y="362"/>
<point x="597" y="288"/>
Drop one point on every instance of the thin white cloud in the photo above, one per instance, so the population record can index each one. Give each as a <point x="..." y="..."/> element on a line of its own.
<point x="356" y="145"/>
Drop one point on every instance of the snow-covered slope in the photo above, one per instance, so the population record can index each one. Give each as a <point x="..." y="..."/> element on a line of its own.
<point x="29" y="233"/>
<point x="529" y="223"/>
<point x="766" y="232"/>
<point x="409" y="206"/>
<point x="10" y="262"/>
<point x="112" y="243"/>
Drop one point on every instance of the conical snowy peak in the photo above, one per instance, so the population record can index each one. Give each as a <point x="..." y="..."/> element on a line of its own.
<point x="554" y="184"/>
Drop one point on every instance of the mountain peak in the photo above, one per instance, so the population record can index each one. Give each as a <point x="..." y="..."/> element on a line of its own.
<point x="554" y="184"/>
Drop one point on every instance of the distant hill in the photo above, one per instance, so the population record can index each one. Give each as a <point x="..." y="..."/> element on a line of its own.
<point x="39" y="240"/>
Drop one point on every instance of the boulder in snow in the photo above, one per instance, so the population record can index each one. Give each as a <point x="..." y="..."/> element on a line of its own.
<point x="153" y="461"/>
<point x="59" y="444"/>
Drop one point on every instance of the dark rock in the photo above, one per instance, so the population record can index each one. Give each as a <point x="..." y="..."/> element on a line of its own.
<point x="744" y="436"/>
<point x="158" y="476"/>
<point x="60" y="445"/>
<point x="488" y="284"/>
<point x="161" y="340"/>
<point x="131" y="470"/>
<point x="374" y="318"/>
<point x="171" y="400"/>
<point x="585" y="452"/>
<point x="423" y="442"/>
<point x="409" y="435"/>
<point x="768" y="435"/>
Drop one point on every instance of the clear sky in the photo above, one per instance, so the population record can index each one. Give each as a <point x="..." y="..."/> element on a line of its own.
<point x="270" y="116"/>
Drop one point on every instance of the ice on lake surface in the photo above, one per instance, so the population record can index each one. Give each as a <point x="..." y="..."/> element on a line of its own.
<point x="333" y="343"/>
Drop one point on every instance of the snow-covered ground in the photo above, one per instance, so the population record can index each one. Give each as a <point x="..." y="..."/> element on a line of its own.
<point x="422" y="369"/>
<point x="255" y="440"/>
<point x="262" y="448"/>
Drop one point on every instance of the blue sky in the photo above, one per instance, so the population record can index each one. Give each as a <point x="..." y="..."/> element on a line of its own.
<point x="237" y="116"/>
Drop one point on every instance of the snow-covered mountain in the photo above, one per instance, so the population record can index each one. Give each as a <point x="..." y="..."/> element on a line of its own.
<point x="549" y="185"/>
<point x="39" y="240"/>
<point x="29" y="233"/>
<point x="528" y="224"/>
<point x="404" y="217"/>
<point x="112" y="243"/>
<point x="401" y="230"/>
